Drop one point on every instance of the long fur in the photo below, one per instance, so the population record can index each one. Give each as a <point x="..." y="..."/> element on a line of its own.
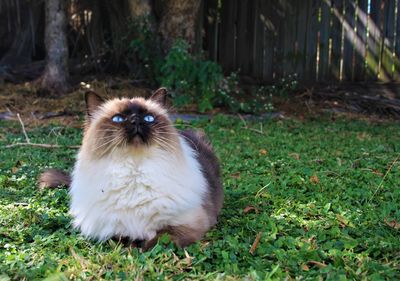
<point x="169" y="182"/>
<point x="137" y="196"/>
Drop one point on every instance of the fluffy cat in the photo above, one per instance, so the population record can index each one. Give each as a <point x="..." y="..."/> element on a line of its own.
<point x="137" y="177"/>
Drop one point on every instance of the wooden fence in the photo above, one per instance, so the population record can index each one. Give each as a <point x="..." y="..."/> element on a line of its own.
<point x="319" y="40"/>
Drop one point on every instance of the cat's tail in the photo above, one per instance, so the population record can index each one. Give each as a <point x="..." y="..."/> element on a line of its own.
<point x="54" y="178"/>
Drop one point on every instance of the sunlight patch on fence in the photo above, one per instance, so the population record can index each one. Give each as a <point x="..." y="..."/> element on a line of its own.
<point x="320" y="40"/>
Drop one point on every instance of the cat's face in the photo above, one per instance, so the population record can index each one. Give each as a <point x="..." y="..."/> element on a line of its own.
<point x="128" y="123"/>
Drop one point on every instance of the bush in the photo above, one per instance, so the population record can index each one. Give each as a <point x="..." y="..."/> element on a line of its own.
<point x="146" y="49"/>
<point x="193" y="80"/>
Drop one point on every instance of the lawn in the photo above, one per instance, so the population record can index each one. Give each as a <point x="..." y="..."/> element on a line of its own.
<point x="321" y="197"/>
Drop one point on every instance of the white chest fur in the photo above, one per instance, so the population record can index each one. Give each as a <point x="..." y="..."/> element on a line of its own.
<point x="132" y="196"/>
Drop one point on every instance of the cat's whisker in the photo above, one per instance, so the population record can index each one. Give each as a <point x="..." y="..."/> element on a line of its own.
<point x="171" y="108"/>
<point x="168" y="141"/>
<point x="164" y="144"/>
<point x="170" y="133"/>
<point x="187" y="125"/>
<point x="113" y="146"/>
<point x="163" y="141"/>
<point x="112" y="134"/>
<point x="166" y="147"/>
<point x="191" y="141"/>
<point x="116" y="145"/>
<point x="166" y="137"/>
<point x="163" y="126"/>
<point x="108" y="130"/>
<point x="102" y="145"/>
<point x="184" y="125"/>
<point x="180" y="135"/>
<point x="107" y="138"/>
<point x="110" y="137"/>
<point x="163" y="130"/>
<point x="106" y="143"/>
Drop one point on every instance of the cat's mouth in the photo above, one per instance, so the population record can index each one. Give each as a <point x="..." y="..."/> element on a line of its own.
<point x="137" y="138"/>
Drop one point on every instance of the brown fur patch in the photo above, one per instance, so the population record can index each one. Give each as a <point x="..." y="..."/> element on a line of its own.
<point x="53" y="178"/>
<point x="181" y="235"/>
<point x="211" y="171"/>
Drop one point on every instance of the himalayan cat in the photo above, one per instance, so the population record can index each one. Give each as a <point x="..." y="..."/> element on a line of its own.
<point x="137" y="177"/>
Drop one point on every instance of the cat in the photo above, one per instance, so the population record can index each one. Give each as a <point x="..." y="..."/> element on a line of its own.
<point x="137" y="177"/>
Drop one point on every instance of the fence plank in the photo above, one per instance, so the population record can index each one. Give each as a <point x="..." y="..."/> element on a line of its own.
<point x="269" y="41"/>
<point x="388" y="41"/>
<point x="374" y="41"/>
<point x="349" y="40"/>
<point x="258" y="43"/>
<point x="227" y="36"/>
<point x="397" y="45"/>
<point x="211" y="27"/>
<point x="361" y="41"/>
<point x="289" y="7"/>
<point x="301" y="38"/>
<point x="337" y="8"/>
<point x="243" y="39"/>
<point x="325" y="33"/>
<point x="277" y="18"/>
<point x="311" y="49"/>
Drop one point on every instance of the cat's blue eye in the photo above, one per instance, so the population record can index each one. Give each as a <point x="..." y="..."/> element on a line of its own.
<point x="118" y="118"/>
<point x="149" y="118"/>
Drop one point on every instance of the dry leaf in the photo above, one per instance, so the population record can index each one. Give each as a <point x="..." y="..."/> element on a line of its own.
<point x="317" y="264"/>
<point x="295" y="156"/>
<point x="255" y="243"/>
<point x="263" y="152"/>
<point x="393" y="224"/>
<point x="343" y="222"/>
<point x="363" y="136"/>
<point x="319" y="161"/>
<point x="305" y="267"/>
<point x="204" y="245"/>
<point x="80" y="259"/>
<point x="249" y="209"/>
<point x="314" y="179"/>
<point x="16" y="167"/>
<point x="236" y="175"/>
<point x="188" y="258"/>
<point x="376" y="172"/>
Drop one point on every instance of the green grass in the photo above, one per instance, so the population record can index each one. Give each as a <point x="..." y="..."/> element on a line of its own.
<point x="326" y="194"/>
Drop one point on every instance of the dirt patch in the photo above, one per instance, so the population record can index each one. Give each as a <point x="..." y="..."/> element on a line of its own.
<point x="372" y="101"/>
<point x="26" y="100"/>
<point x="367" y="101"/>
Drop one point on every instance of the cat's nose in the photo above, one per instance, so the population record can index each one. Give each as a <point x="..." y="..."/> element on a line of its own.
<point x="133" y="119"/>
<point x="134" y="130"/>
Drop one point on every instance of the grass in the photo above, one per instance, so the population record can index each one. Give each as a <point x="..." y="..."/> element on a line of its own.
<point x="322" y="196"/>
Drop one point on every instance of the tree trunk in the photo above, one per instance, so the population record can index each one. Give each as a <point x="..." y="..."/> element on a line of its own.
<point x="56" y="75"/>
<point x="140" y="8"/>
<point x="178" y="21"/>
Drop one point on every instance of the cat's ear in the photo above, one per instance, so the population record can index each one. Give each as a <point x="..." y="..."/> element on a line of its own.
<point x="160" y="96"/>
<point x="93" y="101"/>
